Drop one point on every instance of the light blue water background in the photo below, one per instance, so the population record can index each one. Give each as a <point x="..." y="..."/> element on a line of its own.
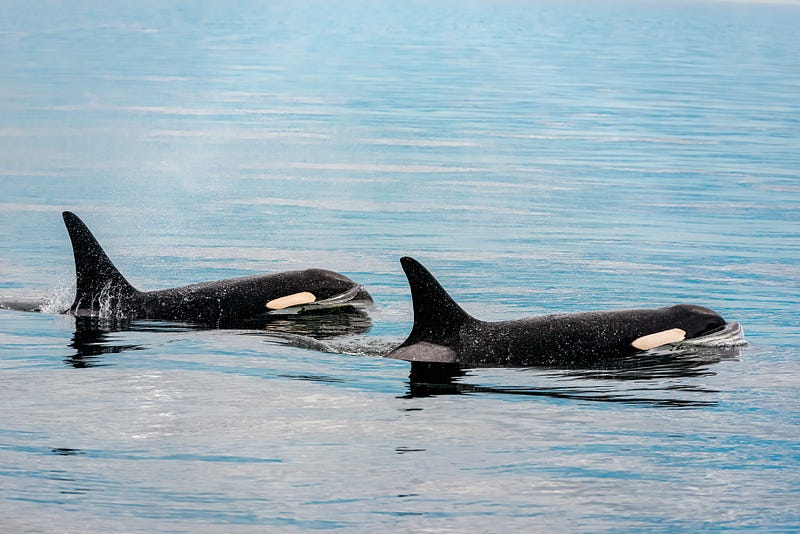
<point x="536" y="156"/>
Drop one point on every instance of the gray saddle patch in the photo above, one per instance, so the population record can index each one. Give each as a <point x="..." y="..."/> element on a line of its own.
<point x="424" y="352"/>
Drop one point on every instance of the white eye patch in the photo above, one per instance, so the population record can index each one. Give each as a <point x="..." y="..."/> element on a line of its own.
<point x="288" y="301"/>
<point x="664" y="337"/>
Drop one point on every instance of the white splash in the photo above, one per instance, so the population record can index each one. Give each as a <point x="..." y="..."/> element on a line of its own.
<point x="106" y="305"/>
<point x="60" y="299"/>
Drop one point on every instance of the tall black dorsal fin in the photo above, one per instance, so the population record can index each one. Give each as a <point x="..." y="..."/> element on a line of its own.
<point x="437" y="317"/>
<point x="96" y="277"/>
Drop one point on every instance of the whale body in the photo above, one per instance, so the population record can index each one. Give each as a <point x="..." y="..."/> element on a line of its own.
<point x="443" y="333"/>
<point x="101" y="290"/>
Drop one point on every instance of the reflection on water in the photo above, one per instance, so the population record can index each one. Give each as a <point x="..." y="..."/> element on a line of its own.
<point x="315" y="378"/>
<point x="64" y="451"/>
<point x="659" y="364"/>
<point x="321" y="324"/>
<point x="651" y="379"/>
<point x="544" y="156"/>
<point x="94" y="337"/>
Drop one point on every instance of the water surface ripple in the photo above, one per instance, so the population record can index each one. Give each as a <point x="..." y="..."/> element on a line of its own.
<point x="538" y="157"/>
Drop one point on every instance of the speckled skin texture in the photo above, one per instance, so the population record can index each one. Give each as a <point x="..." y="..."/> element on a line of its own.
<point x="443" y="332"/>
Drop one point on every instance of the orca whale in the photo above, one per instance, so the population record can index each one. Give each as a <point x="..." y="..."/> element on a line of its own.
<point x="101" y="290"/>
<point x="443" y="333"/>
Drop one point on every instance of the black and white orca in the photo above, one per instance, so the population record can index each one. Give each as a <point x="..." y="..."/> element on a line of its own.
<point x="101" y="290"/>
<point x="443" y="333"/>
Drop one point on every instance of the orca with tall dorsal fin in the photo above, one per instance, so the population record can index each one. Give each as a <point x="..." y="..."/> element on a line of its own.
<point x="443" y="333"/>
<point x="101" y="290"/>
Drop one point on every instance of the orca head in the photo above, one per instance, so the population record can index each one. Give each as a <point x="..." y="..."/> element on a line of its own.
<point x="697" y="321"/>
<point x="325" y="284"/>
<point x="319" y="288"/>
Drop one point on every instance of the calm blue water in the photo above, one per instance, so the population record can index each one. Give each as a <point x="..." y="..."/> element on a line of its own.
<point x="536" y="156"/>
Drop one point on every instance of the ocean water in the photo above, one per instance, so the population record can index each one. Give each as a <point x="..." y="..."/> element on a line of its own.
<point x="538" y="157"/>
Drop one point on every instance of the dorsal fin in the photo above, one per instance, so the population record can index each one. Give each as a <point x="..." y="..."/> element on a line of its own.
<point x="96" y="277"/>
<point x="437" y="317"/>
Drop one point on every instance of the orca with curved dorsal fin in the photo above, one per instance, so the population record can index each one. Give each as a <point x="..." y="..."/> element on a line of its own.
<point x="101" y="290"/>
<point x="443" y="333"/>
